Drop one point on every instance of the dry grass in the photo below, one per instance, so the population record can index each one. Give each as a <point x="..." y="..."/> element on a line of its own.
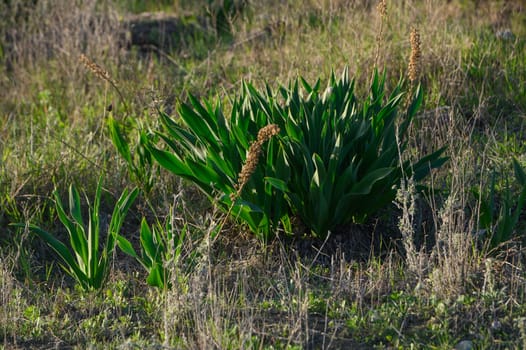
<point x="444" y="289"/>
<point x="9" y="310"/>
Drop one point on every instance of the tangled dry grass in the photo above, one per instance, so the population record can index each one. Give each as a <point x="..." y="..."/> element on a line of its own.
<point x="439" y="287"/>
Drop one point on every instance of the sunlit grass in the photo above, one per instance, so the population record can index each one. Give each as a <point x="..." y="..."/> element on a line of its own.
<point x="54" y="132"/>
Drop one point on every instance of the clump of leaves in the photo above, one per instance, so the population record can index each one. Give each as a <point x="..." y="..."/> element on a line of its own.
<point x="161" y="247"/>
<point x="345" y="155"/>
<point x="84" y="260"/>
<point x="332" y="160"/>
<point x="211" y="150"/>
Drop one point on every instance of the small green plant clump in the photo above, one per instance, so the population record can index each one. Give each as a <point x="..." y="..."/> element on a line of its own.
<point x="345" y="156"/>
<point x="84" y="260"/>
<point x="160" y="246"/>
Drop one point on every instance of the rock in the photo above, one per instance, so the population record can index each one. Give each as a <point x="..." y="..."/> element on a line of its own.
<point x="464" y="345"/>
<point x="505" y="34"/>
<point x="162" y="31"/>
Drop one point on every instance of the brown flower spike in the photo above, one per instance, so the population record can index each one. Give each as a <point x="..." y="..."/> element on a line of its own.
<point x="101" y="73"/>
<point x="96" y="69"/>
<point x="416" y="54"/>
<point x="254" y="152"/>
<point x="382" y="11"/>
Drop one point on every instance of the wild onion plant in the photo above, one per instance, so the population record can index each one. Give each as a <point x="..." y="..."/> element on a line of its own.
<point x="326" y="157"/>
<point x="160" y="246"/>
<point x="222" y="157"/>
<point x="84" y="260"/>
<point x="344" y="155"/>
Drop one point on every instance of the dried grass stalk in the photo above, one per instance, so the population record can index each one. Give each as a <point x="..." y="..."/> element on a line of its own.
<point x="382" y="11"/>
<point x="96" y="69"/>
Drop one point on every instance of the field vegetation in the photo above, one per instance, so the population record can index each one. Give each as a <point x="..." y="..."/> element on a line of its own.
<point x="239" y="174"/>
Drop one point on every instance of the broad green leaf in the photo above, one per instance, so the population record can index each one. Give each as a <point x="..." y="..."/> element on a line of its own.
<point x="171" y="162"/>
<point x="198" y="126"/>
<point x="365" y="185"/>
<point x="206" y="114"/>
<point x="432" y="161"/>
<point x="118" y="140"/>
<point x="155" y="277"/>
<point x="277" y="183"/>
<point x="127" y="247"/>
<point x="75" y="231"/>
<point x="70" y="263"/>
<point x="519" y="172"/>
<point x="320" y="173"/>
<point x="117" y="218"/>
<point x="147" y="242"/>
<point x="74" y="204"/>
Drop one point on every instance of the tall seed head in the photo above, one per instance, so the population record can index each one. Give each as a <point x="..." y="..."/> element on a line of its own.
<point x="101" y="73"/>
<point x="252" y="161"/>
<point x="267" y="132"/>
<point x="382" y="11"/>
<point x="96" y="69"/>
<point x="416" y="54"/>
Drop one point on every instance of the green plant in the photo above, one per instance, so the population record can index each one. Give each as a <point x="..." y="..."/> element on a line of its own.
<point x="211" y="150"/>
<point x="83" y="260"/>
<point x="345" y="156"/>
<point x="160" y="246"/>
<point x="139" y="162"/>
<point x="500" y="221"/>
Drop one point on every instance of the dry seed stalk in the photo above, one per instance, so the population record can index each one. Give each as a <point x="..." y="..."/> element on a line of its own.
<point x="252" y="161"/>
<point x="101" y="73"/>
<point x="382" y="11"/>
<point x="96" y="69"/>
<point x="416" y="54"/>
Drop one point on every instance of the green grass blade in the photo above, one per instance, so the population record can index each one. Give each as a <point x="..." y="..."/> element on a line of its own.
<point x="94" y="234"/>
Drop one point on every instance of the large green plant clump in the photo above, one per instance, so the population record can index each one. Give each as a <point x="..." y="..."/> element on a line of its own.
<point x="335" y="160"/>
<point x="345" y="156"/>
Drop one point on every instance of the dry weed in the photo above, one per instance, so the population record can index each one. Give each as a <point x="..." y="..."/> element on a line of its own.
<point x="381" y="8"/>
<point x="416" y="259"/>
<point x="10" y="308"/>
